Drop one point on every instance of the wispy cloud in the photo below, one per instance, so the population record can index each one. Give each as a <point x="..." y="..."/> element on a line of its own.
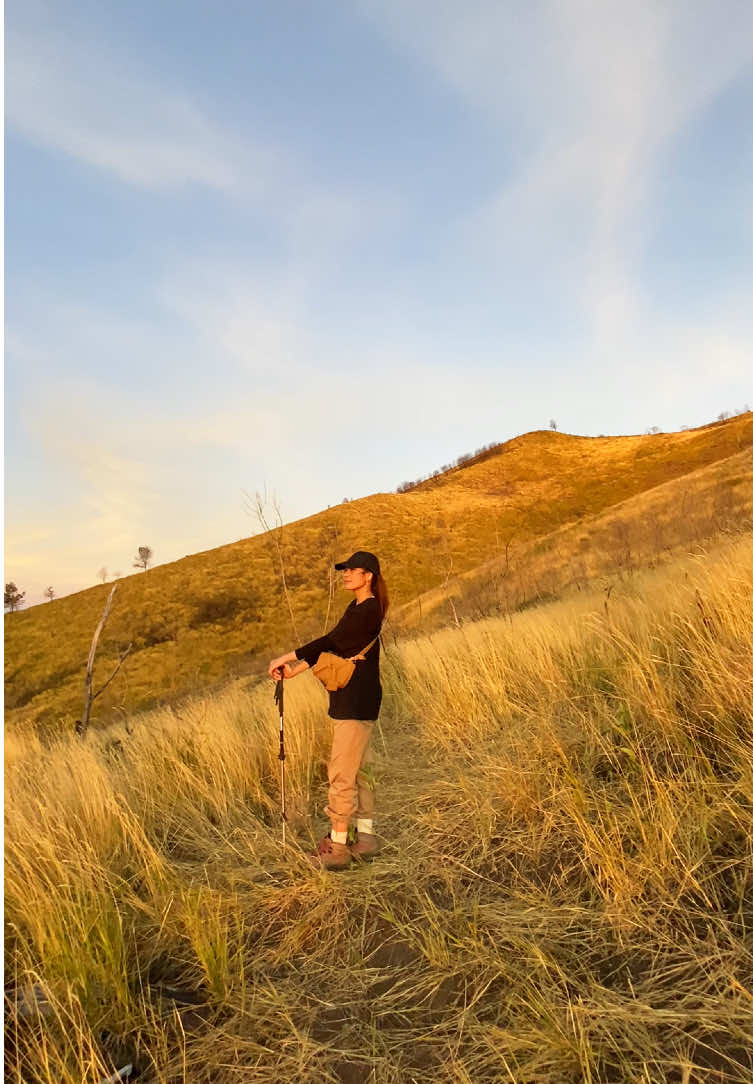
<point x="71" y="93"/>
<point x="361" y="336"/>
<point x="585" y="100"/>
<point x="76" y="96"/>
<point x="173" y="476"/>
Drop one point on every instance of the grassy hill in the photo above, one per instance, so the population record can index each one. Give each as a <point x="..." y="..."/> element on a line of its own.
<point x="639" y="532"/>
<point x="221" y="613"/>
<point x="565" y="893"/>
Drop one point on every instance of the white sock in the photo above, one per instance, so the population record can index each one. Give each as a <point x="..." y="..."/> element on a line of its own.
<point x="338" y="837"/>
<point x="365" y="826"/>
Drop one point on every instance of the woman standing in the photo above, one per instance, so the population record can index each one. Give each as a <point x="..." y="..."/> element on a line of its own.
<point x="353" y="709"/>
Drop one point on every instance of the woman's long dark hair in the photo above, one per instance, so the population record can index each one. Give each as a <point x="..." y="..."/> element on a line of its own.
<point x="379" y="587"/>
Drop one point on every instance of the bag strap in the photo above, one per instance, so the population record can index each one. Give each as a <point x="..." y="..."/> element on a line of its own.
<point x="377" y="637"/>
<point x="365" y="649"/>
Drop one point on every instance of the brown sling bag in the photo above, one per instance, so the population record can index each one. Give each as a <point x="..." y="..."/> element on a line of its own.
<point x="333" y="671"/>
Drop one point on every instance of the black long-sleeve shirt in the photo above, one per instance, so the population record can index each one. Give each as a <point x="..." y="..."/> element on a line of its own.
<point x="359" y="625"/>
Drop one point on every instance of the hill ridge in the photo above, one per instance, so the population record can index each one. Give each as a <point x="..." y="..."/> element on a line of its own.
<point x="219" y="613"/>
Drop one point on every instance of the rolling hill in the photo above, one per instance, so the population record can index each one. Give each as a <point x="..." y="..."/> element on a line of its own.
<point x="520" y="521"/>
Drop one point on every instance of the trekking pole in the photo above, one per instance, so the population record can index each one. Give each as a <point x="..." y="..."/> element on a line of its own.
<point x="281" y="754"/>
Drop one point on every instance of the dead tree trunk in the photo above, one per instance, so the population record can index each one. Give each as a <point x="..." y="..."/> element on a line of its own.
<point x="89" y="697"/>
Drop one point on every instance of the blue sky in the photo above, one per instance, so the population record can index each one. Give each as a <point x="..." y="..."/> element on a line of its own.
<point x="325" y="248"/>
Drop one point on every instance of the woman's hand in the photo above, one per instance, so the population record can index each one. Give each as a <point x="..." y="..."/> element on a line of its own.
<point x="279" y="668"/>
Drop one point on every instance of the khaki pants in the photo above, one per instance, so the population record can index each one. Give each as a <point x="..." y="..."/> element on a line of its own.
<point x="351" y="788"/>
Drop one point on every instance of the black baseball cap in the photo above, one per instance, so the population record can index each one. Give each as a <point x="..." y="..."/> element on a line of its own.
<point x="361" y="559"/>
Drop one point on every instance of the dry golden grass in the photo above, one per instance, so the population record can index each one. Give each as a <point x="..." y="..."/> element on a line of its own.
<point x="215" y="615"/>
<point x="566" y="894"/>
<point x="643" y="531"/>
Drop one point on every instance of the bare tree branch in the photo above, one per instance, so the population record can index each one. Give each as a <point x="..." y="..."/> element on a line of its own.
<point x="332" y="553"/>
<point x="121" y="659"/>
<point x="83" y="724"/>
<point x="257" y="507"/>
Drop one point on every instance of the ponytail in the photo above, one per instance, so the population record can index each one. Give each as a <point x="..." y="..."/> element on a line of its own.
<point x="379" y="587"/>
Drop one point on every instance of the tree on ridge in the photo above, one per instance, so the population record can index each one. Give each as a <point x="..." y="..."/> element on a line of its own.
<point x="13" y="597"/>
<point x="144" y="558"/>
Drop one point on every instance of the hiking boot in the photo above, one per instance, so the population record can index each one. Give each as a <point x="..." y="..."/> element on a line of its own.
<point x="365" y="847"/>
<point x="331" y="855"/>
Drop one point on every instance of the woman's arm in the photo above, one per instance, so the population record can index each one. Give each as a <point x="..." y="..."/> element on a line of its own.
<point x="355" y="629"/>
<point x="280" y="667"/>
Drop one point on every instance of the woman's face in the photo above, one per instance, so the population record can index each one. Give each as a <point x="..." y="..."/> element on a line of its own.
<point x="353" y="578"/>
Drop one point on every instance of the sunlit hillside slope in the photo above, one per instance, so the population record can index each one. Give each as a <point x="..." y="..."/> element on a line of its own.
<point x="639" y="532"/>
<point x="220" y="613"/>
<point x="565" y="893"/>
